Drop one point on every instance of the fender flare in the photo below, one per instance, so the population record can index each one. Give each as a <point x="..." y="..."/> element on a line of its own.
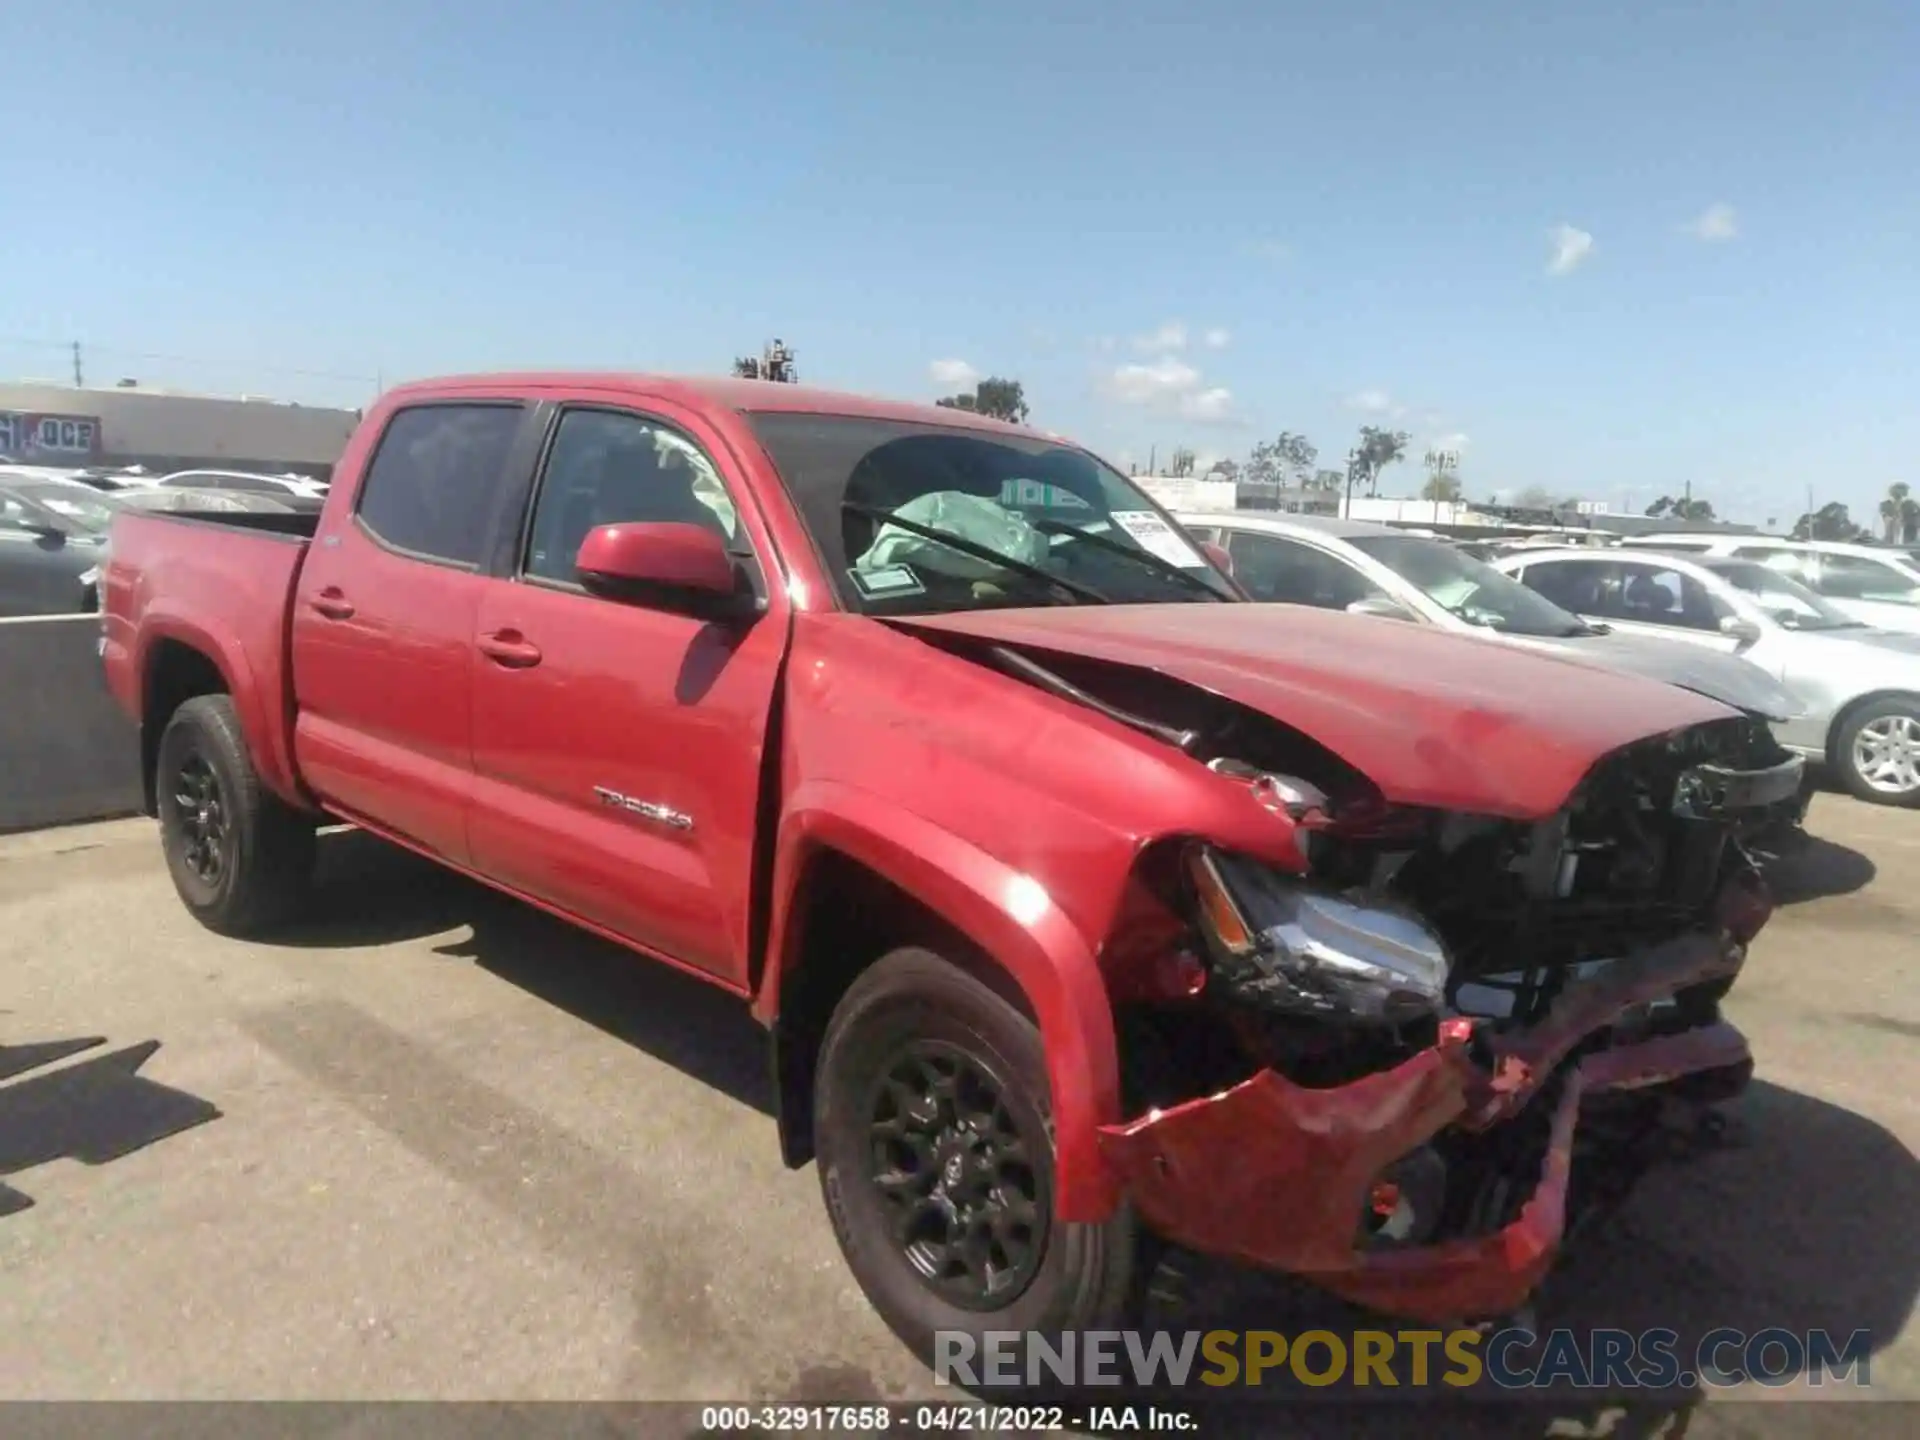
<point x="264" y="738"/>
<point x="1012" y="920"/>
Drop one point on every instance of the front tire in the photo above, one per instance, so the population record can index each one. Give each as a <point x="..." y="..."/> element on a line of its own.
<point x="240" y="857"/>
<point x="1877" y="752"/>
<point x="935" y="1142"/>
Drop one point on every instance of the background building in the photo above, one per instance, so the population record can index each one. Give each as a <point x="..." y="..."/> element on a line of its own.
<point x="165" y="430"/>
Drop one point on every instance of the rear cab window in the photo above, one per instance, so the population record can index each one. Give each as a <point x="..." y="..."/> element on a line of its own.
<point x="429" y="490"/>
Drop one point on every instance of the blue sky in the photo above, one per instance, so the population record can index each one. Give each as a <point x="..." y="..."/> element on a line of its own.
<point x="1196" y="223"/>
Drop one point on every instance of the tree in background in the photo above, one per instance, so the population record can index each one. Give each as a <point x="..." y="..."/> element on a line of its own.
<point x="1684" y="508"/>
<point x="1535" y="497"/>
<point x="1180" y="463"/>
<point x="1830" y="522"/>
<point x="1000" y="399"/>
<point x="775" y="364"/>
<point x="1378" y="449"/>
<point x="1328" y="480"/>
<point x="1441" y="485"/>
<point x="1284" y="460"/>
<point x="1900" y="514"/>
<point x="1224" y="470"/>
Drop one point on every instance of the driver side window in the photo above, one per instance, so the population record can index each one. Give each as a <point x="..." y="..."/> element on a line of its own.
<point x="1273" y="568"/>
<point x="1651" y="595"/>
<point x="607" y="467"/>
<point x="1852" y="577"/>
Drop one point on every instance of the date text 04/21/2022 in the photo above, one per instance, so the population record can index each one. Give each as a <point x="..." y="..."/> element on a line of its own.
<point x="940" y="1419"/>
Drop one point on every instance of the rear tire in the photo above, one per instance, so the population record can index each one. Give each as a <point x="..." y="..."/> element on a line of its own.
<point x="905" y="1168"/>
<point x="240" y="857"/>
<point x="1876" y="752"/>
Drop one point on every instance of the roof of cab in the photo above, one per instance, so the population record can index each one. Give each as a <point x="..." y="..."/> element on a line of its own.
<point x="743" y="396"/>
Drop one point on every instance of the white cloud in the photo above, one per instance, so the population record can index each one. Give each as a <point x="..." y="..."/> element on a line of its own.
<point x="1716" y="222"/>
<point x="1456" y="443"/>
<point x="1212" y="406"/>
<point x="1571" y="247"/>
<point x="1170" y="336"/>
<point x="1217" y="338"/>
<point x="1171" y="386"/>
<point x="1373" y="402"/>
<point x="953" y="372"/>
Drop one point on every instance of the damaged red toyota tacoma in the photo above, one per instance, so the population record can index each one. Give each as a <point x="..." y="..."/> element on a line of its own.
<point x="1091" y="909"/>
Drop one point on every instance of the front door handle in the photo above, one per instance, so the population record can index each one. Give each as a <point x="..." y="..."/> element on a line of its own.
<point x="333" y="603"/>
<point x="511" y="649"/>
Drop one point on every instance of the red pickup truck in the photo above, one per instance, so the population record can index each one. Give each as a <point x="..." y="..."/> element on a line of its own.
<point x="1092" y="910"/>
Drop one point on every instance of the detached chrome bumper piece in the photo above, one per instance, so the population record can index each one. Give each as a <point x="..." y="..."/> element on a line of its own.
<point x="1715" y="792"/>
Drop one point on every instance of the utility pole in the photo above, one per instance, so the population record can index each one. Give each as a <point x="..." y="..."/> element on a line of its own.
<point x="79" y="379"/>
<point x="1353" y="470"/>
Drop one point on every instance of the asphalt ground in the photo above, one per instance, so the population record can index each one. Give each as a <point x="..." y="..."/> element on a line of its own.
<point x="436" y="1146"/>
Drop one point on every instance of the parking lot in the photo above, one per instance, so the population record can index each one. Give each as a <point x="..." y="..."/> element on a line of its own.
<point x="438" y="1146"/>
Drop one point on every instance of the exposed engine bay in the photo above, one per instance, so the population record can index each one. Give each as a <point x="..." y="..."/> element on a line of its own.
<point x="1474" y="998"/>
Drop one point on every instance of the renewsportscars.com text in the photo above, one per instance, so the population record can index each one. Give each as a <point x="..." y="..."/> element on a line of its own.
<point x="1510" y="1359"/>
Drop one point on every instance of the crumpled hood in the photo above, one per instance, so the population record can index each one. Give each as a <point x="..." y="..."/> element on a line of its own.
<point x="1450" y="721"/>
<point x="1726" y="678"/>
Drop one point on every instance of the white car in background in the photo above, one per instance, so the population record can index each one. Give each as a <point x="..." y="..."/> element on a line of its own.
<point x="300" y="492"/>
<point x="1859" y="687"/>
<point x="1382" y="570"/>
<point x="1874" y="584"/>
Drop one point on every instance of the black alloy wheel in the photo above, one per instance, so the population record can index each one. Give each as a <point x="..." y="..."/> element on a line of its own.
<point x="202" y="819"/>
<point x="969" y="1207"/>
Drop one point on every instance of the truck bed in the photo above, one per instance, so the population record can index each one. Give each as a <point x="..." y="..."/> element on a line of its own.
<point x="219" y="583"/>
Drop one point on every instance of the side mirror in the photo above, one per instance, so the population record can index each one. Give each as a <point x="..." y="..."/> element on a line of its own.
<point x="52" y="534"/>
<point x="1381" y="607"/>
<point x="1740" y="630"/>
<point x="1219" y="555"/>
<point x="684" y="568"/>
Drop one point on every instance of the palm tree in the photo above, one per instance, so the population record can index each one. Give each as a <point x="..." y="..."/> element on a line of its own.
<point x="1894" y="511"/>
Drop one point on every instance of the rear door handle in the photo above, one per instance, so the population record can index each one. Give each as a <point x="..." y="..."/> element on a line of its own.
<point x="511" y="649"/>
<point x="333" y="604"/>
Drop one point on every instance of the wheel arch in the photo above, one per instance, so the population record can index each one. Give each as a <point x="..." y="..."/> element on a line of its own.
<point x="1853" y="707"/>
<point x="855" y="878"/>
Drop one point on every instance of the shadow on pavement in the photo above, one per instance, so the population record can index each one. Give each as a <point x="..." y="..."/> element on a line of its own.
<point x="1816" y="868"/>
<point x="373" y="893"/>
<point x="1804" y="1223"/>
<point x="96" y="1111"/>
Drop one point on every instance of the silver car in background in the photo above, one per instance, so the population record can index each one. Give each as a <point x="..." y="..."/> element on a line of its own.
<point x="1859" y="687"/>
<point x="1379" y="570"/>
<point x="1875" y="584"/>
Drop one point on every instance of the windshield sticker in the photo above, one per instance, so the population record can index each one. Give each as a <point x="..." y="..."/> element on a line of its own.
<point x="883" y="582"/>
<point x="1156" y="537"/>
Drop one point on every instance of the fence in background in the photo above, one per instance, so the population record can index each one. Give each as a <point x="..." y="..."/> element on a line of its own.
<point x="67" y="752"/>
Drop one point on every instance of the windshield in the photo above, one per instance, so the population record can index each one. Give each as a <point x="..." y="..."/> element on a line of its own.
<point x="1790" y="603"/>
<point x="1470" y="588"/>
<point x="917" y="519"/>
<point x="80" y="508"/>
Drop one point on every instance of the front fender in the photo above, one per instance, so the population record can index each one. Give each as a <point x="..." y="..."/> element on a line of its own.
<point x="1011" y="918"/>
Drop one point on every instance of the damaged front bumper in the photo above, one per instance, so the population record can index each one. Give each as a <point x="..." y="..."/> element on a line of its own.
<point x="1282" y="1176"/>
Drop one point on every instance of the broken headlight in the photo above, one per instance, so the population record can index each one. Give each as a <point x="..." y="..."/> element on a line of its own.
<point x="1279" y="941"/>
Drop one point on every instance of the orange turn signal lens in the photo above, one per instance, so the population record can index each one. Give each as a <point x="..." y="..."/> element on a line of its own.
<point x="1217" y="906"/>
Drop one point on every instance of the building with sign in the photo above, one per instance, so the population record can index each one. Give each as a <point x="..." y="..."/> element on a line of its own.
<point x="164" y="430"/>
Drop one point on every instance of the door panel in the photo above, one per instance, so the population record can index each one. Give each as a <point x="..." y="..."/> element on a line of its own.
<point x="618" y="773"/>
<point x="383" y="635"/>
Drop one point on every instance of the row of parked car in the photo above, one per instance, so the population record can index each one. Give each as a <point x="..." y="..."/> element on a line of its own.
<point x="1823" y="638"/>
<point x="54" y="523"/>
